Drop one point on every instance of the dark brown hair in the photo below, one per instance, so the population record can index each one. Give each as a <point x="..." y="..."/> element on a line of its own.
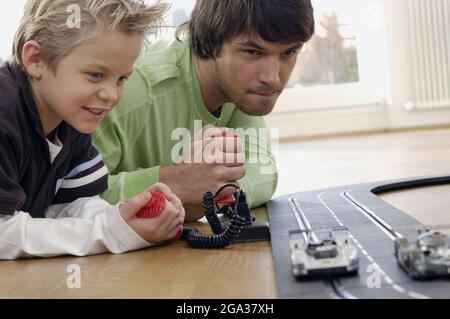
<point x="214" y="22"/>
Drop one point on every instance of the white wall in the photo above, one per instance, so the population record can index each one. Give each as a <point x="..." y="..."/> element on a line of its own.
<point x="402" y="75"/>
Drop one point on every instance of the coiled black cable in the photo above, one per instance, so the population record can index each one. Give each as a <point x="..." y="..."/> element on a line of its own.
<point x="210" y="213"/>
<point x="223" y="237"/>
<point x="196" y="239"/>
<point x="226" y="211"/>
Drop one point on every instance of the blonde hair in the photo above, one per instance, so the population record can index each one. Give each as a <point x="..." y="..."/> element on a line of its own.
<point x="49" y="23"/>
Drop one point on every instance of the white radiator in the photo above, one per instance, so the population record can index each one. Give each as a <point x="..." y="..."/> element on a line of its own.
<point x="429" y="22"/>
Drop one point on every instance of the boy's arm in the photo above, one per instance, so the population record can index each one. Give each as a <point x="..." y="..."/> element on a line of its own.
<point x="85" y="227"/>
<point x="92" y="226"/>
<point x="261" y="179"/>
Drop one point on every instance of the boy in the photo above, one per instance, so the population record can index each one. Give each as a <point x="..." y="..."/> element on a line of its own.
<point x="70" y="61"/>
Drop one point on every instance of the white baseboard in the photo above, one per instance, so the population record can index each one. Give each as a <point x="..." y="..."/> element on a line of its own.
<point x="307" y="123"/>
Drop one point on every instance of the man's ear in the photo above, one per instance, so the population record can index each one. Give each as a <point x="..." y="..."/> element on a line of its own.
<point x="32" y="60"/>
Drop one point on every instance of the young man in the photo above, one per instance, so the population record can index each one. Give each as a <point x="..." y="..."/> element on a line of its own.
<point x="230" y="72"/>
<point x="64" y="78"/>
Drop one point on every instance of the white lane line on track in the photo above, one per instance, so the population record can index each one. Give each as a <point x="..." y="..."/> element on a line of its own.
<point x="417" y="295"/>
<point x="388" y="280"/>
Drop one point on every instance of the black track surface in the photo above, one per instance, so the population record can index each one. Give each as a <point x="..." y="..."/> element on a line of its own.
<point x="379" y="273"/>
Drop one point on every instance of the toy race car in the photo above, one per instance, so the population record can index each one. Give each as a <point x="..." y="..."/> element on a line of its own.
<point x="323" y="252"/>
<point x="428" y="256"/>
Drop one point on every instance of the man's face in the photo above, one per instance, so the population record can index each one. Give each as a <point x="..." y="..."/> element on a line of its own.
<point x="252" y="72"/>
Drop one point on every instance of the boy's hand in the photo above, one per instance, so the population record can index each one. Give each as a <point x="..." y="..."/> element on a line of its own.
<point x="154" y="230"/>
<point x="171" y="197"/>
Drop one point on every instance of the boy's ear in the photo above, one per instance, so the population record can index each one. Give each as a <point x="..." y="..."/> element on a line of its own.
<point x="31" y="59"/>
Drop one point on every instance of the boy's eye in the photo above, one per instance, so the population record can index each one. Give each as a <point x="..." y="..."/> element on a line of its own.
<point x="123" y="79"/>
<point x="95" y="76"/>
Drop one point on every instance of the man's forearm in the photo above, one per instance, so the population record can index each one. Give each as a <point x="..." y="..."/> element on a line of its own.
<point x="259" y="183"/>
<point x="171" y="176"/>
<point x="175" y="176"/>
<point x="129" y="184"/>
<point x="193" y="212"/>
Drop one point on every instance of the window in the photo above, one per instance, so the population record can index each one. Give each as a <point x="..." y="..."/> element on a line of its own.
<point x="330" y="57"/>
<point x="179" y="13"/>
<point x="345" y="64"/>
<point x="10" y="14"/>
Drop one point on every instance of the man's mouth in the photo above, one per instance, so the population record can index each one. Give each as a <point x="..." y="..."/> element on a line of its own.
<point x="266" y="94"/>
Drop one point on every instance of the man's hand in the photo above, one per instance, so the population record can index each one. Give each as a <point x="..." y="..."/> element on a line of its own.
<point x="210" y="146"/>
<point x="211" y="162"/>
<point x="191" y="181"/>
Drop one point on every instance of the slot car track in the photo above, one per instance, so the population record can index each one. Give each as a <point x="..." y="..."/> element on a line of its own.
<point x="371" y="222"/>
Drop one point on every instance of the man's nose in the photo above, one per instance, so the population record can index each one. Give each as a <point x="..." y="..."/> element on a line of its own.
<point x="270" y="74"/>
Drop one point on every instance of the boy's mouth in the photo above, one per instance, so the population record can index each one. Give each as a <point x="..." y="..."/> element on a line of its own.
<point x="94" y="110"/>
<point x="96" y="113"/>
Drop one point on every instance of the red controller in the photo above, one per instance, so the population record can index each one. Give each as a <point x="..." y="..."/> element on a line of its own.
<point x="154" y="208"/>
<point x="228" y="199"/>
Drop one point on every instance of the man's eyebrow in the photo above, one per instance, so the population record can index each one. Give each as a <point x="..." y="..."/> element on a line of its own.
<point x="297" y="46"/>
<point x="255" y="45"/>
<point x="250" y="43"/>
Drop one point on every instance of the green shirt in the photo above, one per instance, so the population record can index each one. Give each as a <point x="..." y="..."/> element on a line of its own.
<point x="163" y="95"/>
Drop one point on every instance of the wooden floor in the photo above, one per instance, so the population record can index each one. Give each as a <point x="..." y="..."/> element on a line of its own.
<point x="174" y="271"/>
<point x="247" y="270"/>
<point x="332" y="162"/>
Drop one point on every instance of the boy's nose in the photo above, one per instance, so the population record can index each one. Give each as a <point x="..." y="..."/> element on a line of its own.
<point x="109" y="93"/>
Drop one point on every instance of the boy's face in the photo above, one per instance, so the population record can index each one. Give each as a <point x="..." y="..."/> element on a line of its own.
<point x="87" y="83"/>
<point x="252" y="72"/>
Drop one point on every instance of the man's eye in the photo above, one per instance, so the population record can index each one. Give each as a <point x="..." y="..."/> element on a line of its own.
<point x="290" y="53"/>
<point x="252" y="52"/>
<point x="95" y="76"/>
